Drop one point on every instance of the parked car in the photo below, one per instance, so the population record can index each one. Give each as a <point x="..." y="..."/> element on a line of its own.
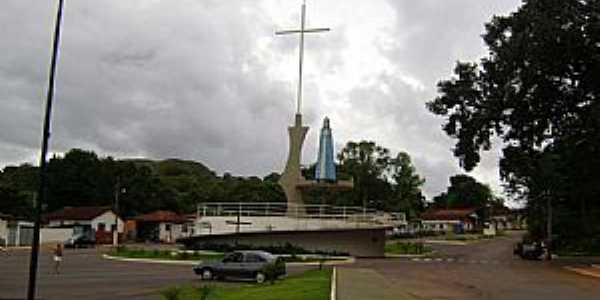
<point x="529" y="250"/>
<point x="256" y="265"/>
<point x="80" y="241"/>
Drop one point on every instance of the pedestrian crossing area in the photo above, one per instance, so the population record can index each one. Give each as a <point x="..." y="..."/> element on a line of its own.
<point x="457" y="260"/>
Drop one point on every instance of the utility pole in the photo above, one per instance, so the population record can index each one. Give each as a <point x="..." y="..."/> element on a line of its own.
<point x="116" y="211"/>
<point x="35" y="247"/>
<point x="548" y="227"/>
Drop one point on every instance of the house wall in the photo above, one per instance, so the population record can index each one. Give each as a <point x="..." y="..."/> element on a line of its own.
<point x="443" y="225"/>
<point x="20" y="233"/>
<point x="55" y="235"/>
<point x="61" y="223"/>
<point x="3" y="232"/>
<point x="169" y="232"/>
<point x="108" y="219"/>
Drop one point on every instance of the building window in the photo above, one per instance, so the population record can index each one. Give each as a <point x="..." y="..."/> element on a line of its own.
<point x="184" y="228"/>
<point x="168" y="227"/>
<point x="101" y="227"/>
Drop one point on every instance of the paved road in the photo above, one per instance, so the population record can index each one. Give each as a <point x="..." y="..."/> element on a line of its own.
<point x="85" y="275"/>
<point x="484" y="270"/>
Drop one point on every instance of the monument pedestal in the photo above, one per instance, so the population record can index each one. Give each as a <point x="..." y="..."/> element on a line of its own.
<point x="292" y="174"/>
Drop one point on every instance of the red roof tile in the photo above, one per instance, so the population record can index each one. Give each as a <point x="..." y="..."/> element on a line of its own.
<point x="448" y="214"/>
<point x="161" y="216"/>
<point x="76" y="213"/>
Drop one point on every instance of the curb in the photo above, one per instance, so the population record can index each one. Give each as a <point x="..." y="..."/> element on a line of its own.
<point x="153" y="261"/>
<point x="350" y="260"/>
<point x="16" y="248"/>
<point x="442" y="242"/>
<point x="195" y="262"/>
<point x="333" y="292"/>
<point x="583" y="272"/>
<point x="391" y="255"/>
<point x="428" y="254"/>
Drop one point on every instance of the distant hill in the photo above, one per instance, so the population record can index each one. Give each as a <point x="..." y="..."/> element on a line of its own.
<point x="82" y="178"/>
<point x="175" y="167"/>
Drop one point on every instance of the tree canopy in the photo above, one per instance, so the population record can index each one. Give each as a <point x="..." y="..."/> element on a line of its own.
<point x="464" y="192"/>
<point x="381" y="181"/>
<point x="81" y="178"/>
<point x="537" y="92"/>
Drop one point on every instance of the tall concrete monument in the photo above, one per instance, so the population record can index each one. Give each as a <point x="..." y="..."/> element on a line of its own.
<point x="292" y="181"/>
<point x="292" y="174"/>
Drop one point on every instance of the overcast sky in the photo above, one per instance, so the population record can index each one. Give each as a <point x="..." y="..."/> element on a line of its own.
<point x="207" y="80"/>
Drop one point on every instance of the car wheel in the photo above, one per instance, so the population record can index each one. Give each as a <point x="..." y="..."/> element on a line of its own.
<point x="207" y="274"/>
<point x="260" y="277"/>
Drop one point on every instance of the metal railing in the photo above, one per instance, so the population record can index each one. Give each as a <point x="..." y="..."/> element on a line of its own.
<point x="228" y="217"/>
<point x="278" y="209"/>
<point x="273" y="209"/>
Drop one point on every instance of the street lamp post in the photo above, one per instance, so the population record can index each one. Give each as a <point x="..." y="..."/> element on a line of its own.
<point x="118" y="191"/>
<point x="35" y="247"/>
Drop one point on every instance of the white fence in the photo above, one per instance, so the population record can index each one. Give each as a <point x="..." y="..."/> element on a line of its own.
<point x="227" y="217"/>
<point x="55" y="235"/>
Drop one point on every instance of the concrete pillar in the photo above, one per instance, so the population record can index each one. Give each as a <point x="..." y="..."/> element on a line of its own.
<point x="292" y="174"/>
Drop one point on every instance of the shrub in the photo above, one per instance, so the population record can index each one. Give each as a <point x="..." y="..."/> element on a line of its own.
<point x="406" y="248"/>
<point x="205" y="291"/>
<point x="171" y="293"/>
<point x="286" y="248"/>
<point x="184" y="255"/>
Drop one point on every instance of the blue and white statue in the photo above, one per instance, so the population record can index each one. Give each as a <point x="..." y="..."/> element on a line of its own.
<point x="325" y="169"/>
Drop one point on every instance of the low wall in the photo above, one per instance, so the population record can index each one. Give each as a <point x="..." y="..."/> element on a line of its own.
<point x="360" y="242"/>
<point x="55" y="235"/>
<point x="223" y="224"/>
<point x="3" y="232"/>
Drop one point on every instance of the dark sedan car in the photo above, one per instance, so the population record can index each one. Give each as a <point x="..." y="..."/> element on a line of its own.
<point x="256" y="265"/>
<point x="80" y="241"/>
<point x="530" y="251"/>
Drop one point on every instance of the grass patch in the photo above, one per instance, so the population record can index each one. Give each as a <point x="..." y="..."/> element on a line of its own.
<point x="577" y="247"/>
<point x="471" y="237"/>
<point x="311" y="285"/>
<point x="163" y="254"/>
<point x="407" y="248"/>
<point x="304" y="259"/>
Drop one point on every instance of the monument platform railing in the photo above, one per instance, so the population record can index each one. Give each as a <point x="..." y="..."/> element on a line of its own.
<point x="231" y="217"/>
<point x="280" y="209"/>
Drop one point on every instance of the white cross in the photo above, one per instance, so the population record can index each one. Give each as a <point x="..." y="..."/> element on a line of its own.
<point x="301" y="31"/>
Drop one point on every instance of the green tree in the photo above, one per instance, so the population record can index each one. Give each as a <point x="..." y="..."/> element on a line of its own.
<point x="465" y="192"/>
<point x="537" y="91"/>
<point x="366" y="162"/>
<point x="408" y="197"/>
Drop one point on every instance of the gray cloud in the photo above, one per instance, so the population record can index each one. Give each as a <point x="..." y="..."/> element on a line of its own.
<point x="194" y="80"/>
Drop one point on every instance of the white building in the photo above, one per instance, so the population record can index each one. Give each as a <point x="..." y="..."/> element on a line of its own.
<point x="162" y="226"/>
<point x="3" y="230"/>
<point x="450" y="220"/>
<point x="94" y="221"/>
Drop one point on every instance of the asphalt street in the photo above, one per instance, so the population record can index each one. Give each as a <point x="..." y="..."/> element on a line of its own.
<point x="85" y="275"/>
<point x="483" y="270"/>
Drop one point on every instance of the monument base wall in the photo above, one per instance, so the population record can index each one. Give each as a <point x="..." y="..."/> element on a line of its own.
<point x="359" y="242"/>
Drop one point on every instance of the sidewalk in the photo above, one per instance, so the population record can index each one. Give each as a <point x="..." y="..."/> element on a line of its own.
<point x="365" y="284"/>
<point x="591" y="271"/>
